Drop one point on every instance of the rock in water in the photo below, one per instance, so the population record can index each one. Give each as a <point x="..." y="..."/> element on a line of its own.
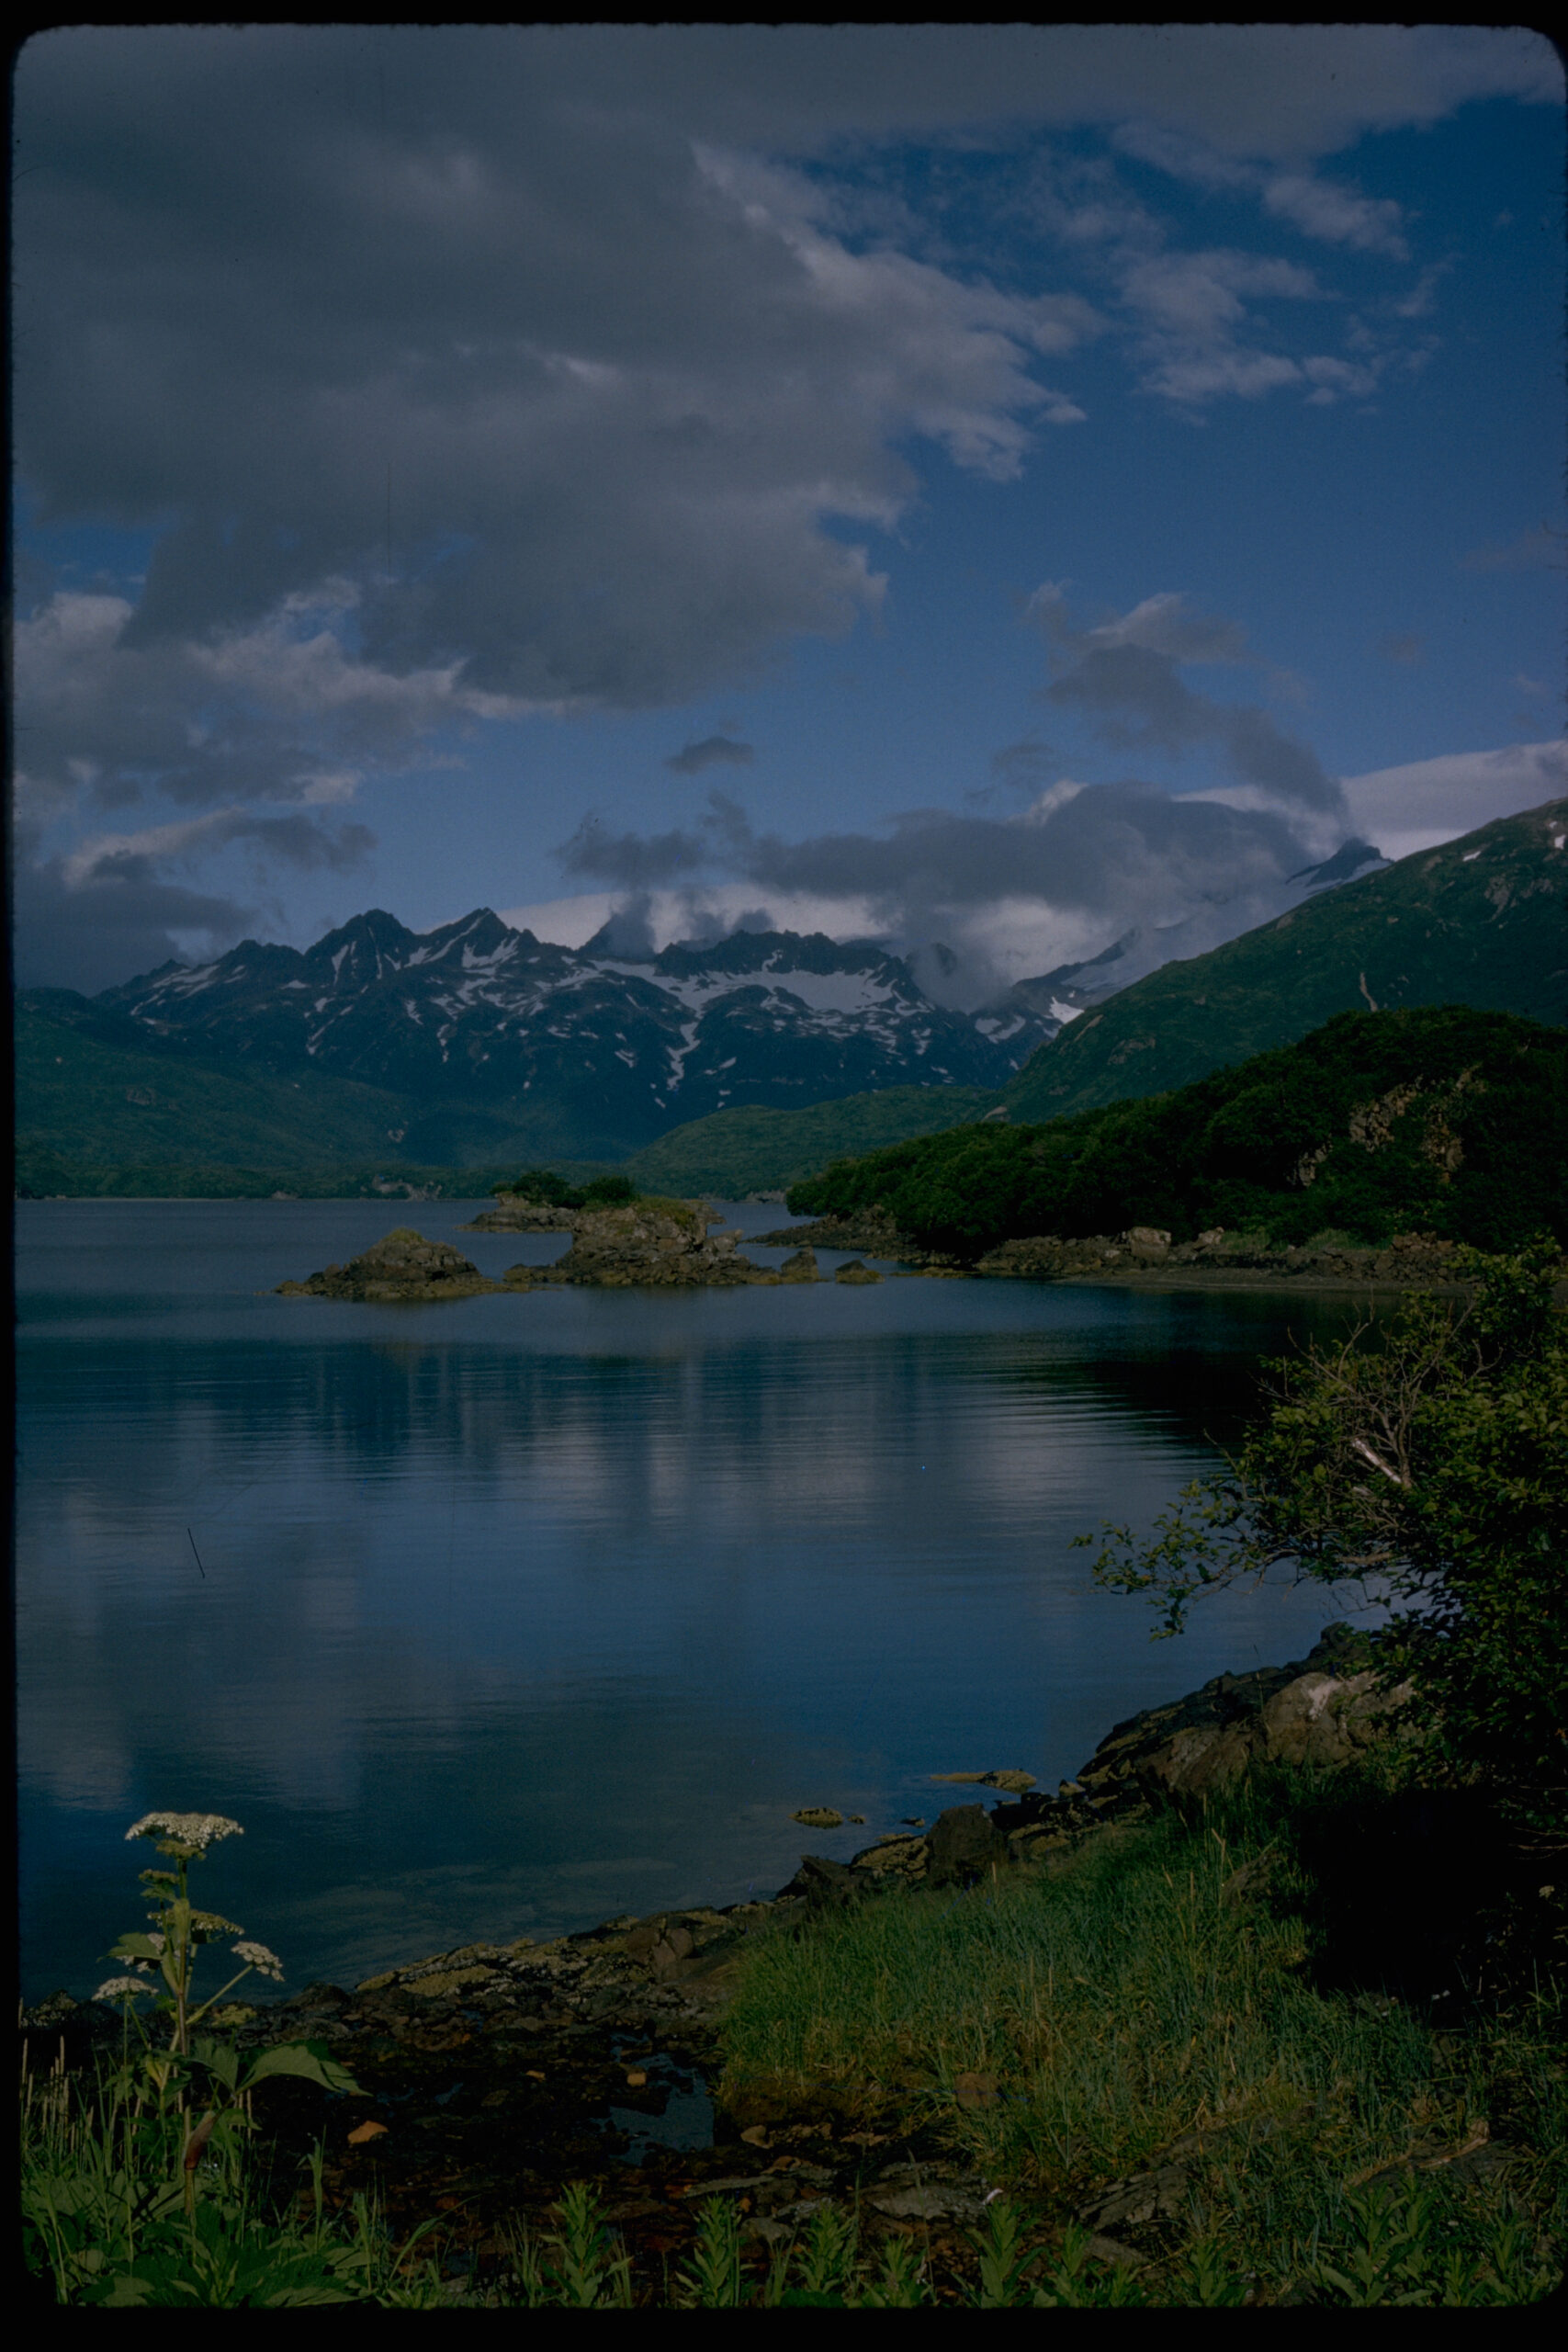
<point x="658" y="1241"/>
<point x="855" y="1272"/>
<point x="801" y="1268"/>
<point x="403" y="1266"/>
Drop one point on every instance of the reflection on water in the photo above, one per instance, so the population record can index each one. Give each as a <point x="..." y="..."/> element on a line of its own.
<point x="519" y="1612"/>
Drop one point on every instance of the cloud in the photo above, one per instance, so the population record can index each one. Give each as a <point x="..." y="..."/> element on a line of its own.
<point x="1541" y="548"/>
<point x="297" y="839"/>
<point x="1408" y="646"/>
<point x="1079" y="868"/>
<point x="1428" y="801"/>
<point x="1338" y="215"/>
<point x="1124" y="675"/>
<point x="1019" y="767"/>
<point x="457" y="374"/>
<point x="636" y="862"/>
<point x="556" y="341"/>
<point x="275" y="709"/>
<point x="713" y="750"/>
<point x="90" y="933"/>
<point x="1083" y="867"/>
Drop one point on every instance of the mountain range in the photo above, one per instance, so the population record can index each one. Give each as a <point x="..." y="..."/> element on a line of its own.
<point x="734" y="1066"/>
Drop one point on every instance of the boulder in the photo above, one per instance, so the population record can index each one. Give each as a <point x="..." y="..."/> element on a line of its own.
<point x="1324" y="1710"/>
<point x="855" y="1272"/>
<point x="401" y="1266"/>
<point x="801" y="1268"/>
<point x="662" y="1242"/>
<point x="965" y="1845"/>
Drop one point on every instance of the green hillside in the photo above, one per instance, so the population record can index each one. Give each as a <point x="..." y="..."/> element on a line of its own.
<point x="1440" y="1119"/>
<point x="98" y="1114"/>
<point x="732" y="1153"/>
<point x="84" y="1096"/>
<point x="1482" y="922"/>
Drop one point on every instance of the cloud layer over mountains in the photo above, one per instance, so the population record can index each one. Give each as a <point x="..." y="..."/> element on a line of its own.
<point x="455" y="376"/>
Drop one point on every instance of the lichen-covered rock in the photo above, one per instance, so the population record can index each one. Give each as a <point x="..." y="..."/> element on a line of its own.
<point x="652" y="1241"/>
<point x="514" y="1214"/>
<point x="964" y="1844"/>
<point x="1324" y="1710"/>
<point x="401" y="1266"/>
<point x="801" y="1268"/>
<point x="855" y="1272"/>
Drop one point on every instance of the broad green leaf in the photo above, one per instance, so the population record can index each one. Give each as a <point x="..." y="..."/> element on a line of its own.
<point x="307" y="2059"/>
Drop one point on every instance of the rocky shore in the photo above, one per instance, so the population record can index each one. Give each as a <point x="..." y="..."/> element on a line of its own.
<point x="495" y="2074"/>
<point x="1145" y="1255"/>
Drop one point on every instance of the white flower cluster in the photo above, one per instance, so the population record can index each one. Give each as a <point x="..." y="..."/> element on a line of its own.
<point x="198" y="1830"/>
<point x="257" y="1956"/>
<point x="121" y="1988"/>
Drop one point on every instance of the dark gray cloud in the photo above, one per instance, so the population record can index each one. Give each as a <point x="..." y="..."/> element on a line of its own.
<point x="87" y="919"/>
<point x="639" y="862"/>
<point x="530" y="334"/>
<point x="1107" y="858"/>
<point x="1124" y="676"/>
<point x="462" y="372"/>
<point x="92" y="934"/>
<point x="714" y="750"/>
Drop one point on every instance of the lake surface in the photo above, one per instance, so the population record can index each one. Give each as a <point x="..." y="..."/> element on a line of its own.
<point x="504" y="1616"/>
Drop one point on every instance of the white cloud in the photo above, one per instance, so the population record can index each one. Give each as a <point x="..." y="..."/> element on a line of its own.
<point x="1338" y="215"/>
<point x="676" y="914"/>
<point x="1428" y="801"/>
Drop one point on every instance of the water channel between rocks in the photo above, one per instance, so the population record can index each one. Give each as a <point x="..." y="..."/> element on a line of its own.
<point x="500" y="1617"/>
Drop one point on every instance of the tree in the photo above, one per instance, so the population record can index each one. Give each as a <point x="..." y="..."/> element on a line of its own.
<point x="1434" y="1466"/>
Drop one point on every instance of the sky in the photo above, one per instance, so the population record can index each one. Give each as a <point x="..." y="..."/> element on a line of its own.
<point x="1004" y="489"/>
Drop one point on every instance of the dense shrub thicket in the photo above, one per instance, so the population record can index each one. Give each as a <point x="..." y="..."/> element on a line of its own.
<point x="1440" y="1119"/>
<point x="544" y="1184"/>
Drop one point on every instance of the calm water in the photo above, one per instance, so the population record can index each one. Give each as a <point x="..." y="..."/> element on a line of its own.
<point x="519" y="1612"/>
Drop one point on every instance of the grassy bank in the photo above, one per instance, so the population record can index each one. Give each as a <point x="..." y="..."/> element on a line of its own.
<point x="1182" y="2004"/>
<point x="1188" y="2065"/>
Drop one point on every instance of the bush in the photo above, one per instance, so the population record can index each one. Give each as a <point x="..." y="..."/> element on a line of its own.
<point x="1434" y="1467"/>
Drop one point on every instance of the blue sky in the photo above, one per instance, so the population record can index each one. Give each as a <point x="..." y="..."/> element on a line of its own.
<point x="1045" y="482"/>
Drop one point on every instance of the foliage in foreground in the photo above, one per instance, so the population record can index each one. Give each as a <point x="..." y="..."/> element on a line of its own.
<point x="1065" y="2029"/>
<point x="1435" y="1465"/>
<point x="1072" y="2028"/>
<point x="1441" y="1119"/>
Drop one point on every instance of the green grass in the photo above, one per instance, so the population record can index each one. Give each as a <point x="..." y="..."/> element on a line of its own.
<point x="1060" y="2031"/>
<point x="1140" y="1995"/>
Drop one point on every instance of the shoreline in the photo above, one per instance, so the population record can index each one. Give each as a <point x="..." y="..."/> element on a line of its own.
<point x="1313" y="1709"/>
<point x="489" y="2079"/>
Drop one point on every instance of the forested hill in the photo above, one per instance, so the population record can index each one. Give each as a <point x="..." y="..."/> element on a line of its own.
<point x="1482" y="922"/>
<point x="1441" y="1119"/>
